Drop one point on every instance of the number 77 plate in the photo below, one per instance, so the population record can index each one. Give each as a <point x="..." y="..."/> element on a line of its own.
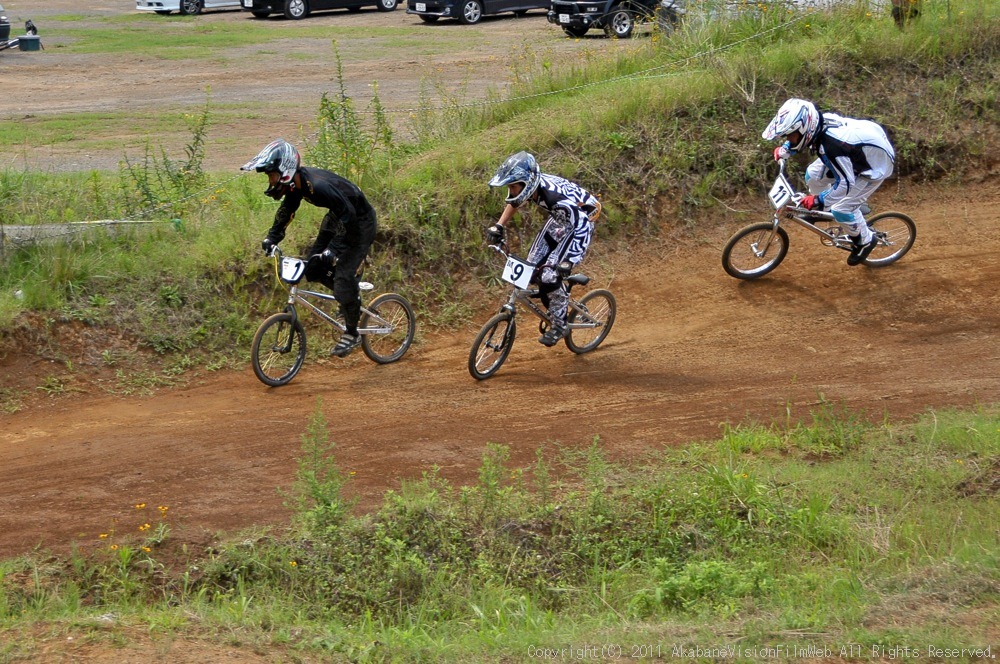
<point x="518" y="272"/>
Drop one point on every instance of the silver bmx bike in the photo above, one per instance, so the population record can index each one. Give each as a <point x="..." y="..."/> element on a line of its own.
<point x="588" y="322"/>
<point x="386" y="326"/>
<point x="755" y="250"/>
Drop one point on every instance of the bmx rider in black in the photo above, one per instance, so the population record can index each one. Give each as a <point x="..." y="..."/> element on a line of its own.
<point x="345" y="234"/>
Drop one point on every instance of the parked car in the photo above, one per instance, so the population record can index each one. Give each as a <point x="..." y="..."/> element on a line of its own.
<point x="617" y="18"/>
<point x="296" y="9"/>
<point x="470" y="11"/>
<point x="186" y="7"/>
<point x="4" y="26"/>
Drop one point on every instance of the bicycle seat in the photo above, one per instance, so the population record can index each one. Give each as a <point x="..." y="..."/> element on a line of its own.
<point x="578" y="280"/>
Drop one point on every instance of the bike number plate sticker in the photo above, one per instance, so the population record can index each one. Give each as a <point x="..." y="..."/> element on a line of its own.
<point x="780" y="194"/>
<point x="421" y="7"/>
<point x="564" y="18"/>
<point x="517" y="273"/>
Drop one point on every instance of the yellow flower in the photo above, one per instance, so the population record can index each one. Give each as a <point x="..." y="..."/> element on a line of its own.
<point x="293" y="563"/>
<point x="146" y="549"/>
<point x="140" y="506"/>
<point x="114" y="547"/>
<point x="103" y="535"/>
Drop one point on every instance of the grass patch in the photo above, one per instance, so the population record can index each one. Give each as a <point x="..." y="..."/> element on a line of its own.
<point x="704" y="544"/>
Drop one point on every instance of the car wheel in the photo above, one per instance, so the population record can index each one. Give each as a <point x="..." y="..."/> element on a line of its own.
<point x="296" y="9"/>
<point x="620" y="23"/>
<point x="429" y="19"/>
<point x="190" y="7"/>
<point x="472" y="12"/>
<point x="573" y="31"/>
<point x="386" y="5"/>
<point x="261" y="13"/>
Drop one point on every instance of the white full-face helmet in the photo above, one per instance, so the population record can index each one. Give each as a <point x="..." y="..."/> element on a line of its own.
<point x="795" y="115"/>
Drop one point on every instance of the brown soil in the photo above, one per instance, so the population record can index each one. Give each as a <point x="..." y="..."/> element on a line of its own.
<point x="279" y="83"/>
<point x="692" y="349"/>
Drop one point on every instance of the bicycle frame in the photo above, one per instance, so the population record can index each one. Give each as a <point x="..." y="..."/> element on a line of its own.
<point x="302" y="296"/>
<point x="527" y="297"/>
<point x="786" y="201"/>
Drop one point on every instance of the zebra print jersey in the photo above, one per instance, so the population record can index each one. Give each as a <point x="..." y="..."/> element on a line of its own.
<point x="559" y="194"/>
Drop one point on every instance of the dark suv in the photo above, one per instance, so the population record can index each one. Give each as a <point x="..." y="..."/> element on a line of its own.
<point x="616" y="17"/>
<point x="470" y="11"/>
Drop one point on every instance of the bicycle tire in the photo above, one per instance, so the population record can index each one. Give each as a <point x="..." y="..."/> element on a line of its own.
<point x="280" y="339"/>
<point x="896" y="232"/>
<point x="492" y="345"/>
<point x="602" y="312"/>
<point x="739" y="251"/>
<point x="396" y="310"/>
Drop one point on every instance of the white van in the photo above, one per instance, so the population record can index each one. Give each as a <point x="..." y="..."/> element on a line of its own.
<point x="192" y="7"/>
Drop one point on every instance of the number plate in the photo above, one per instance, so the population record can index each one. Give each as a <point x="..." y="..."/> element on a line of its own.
<point x="780" y="194"/>
<point x="517" y="273"/>
<point x="248" y="4"/>
<point x="421" y="7"/>
<point x="564" y="18"/>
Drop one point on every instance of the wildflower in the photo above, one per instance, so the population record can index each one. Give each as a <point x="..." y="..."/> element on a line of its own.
<point x="140" y="506"/>
<point x="103" y="536"/>
<point x="293" y="563"/>
<point x="114" y="547"/>
<point x="146" y="549"/>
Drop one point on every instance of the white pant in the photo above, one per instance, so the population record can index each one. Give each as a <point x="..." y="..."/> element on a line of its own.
<point x="846" y="209"/>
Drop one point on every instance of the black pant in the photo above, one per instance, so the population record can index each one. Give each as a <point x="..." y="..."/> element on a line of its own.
<point x="351" y="250"/>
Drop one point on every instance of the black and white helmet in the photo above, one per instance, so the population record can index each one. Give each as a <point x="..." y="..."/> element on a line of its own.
<point x="520" y="167"/>
<point x="280" y="157"/>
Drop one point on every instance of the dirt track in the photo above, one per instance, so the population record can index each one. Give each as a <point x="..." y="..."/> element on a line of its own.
<point x="692" y="349"/>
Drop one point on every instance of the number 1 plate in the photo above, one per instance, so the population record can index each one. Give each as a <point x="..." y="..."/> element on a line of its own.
<point x="517" y="273"/>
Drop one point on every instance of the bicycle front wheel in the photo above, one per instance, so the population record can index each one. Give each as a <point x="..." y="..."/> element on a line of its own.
<point x="755" y="250"/>
<point x="591" y="323"/>
<point x="492" y="346"/>
<point x="392" y="317"/>
<point x="278" y="350"/>
<point x="895" y="232"/>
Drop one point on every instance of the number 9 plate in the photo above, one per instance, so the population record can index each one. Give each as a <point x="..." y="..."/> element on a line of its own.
<point x="517" y="272"/>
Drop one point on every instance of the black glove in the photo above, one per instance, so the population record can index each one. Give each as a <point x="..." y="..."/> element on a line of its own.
<point x="267" y="246"/>
<point x="321" y="263"/>
<point x="494" y="234"/>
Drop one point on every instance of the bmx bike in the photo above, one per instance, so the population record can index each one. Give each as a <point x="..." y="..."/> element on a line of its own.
<point x="386" y="326"/>
<point x="755" y="250"/>
<point x="588" y="322"/>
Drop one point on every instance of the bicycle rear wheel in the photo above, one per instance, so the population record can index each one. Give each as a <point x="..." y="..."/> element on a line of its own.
<point x="396" y="332"/>
<point x="492" y="346"/>
<point x="896" y="233"/>
<point x="278" y="350"/>
<point x="599" y="309"/>
<point x="745" y="257"/>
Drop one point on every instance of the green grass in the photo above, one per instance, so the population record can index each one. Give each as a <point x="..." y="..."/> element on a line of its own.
<point x="725" y="544"/>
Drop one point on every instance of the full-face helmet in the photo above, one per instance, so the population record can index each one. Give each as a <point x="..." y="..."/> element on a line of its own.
<point x="520" y="167"/>
<point x="795" y="115"/>
<point x="279" y="157"/>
